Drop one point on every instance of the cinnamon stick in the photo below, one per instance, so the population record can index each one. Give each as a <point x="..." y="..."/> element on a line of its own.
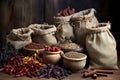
<point x="88" y="74"/>
<point x="105" y="71"/>
<point x="101" y="74"/>
<point x="96" y="72"/>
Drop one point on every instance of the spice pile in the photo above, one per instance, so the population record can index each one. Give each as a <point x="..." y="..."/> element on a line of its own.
<point x="66" y="12"/>
<point x="18" y="65"/>
<point x="69" y="45"/>
<point x="53" y="71"/>
<point x="34" y="46"/>
<point x="73" y="54"/>
<point x="52" y="48"/>
<point x="7" y="52"/>
<point x="95" y="72"/>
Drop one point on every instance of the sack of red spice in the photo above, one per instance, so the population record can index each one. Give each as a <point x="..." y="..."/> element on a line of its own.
<point x="62" y="22"/>
<point x="20" y="37"/>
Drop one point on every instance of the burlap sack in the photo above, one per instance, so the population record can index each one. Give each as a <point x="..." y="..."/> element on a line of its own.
<point x="101" y="47"/>
<point x="80" y="21"/>
<point x="20" y="37"/>
<point x="44" y="34"/>
<point x="64" y="29"/>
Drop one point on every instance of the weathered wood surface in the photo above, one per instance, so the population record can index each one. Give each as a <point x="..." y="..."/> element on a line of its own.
<point x="26" y="12"/>
<point x="5" y="20"/>
<point x="21" y="13"/>
<point x="75" y="76"/>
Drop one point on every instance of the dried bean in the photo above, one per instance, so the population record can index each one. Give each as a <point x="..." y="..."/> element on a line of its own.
<point x="52" y="71"/>
<point x="41" y="76"/>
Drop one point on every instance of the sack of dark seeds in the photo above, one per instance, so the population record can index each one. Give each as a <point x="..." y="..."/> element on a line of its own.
<point x="80" y="21"/>
<point x="20" y="37"/>
<point x="101" y="47"/>
<point x="43" y="34"/>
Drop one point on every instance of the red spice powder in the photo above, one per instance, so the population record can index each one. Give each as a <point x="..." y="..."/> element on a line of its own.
<point x="34" y="46"/>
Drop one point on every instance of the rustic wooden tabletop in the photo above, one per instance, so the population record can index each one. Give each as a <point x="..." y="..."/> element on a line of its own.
<point x="75" y="76"/>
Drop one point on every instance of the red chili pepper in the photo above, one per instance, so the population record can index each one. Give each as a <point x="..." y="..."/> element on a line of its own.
<point x="7" y="70"/>
<point x="29" y="74"/>
<point x="20" y="74"/>
<point x="33" y="73"/>
<point x="48" y="48"/>
<point x="53" y="49"/>
<point x="1" y="69"/>
<point x="12" y="69"/>
<point x="57" y="49"/>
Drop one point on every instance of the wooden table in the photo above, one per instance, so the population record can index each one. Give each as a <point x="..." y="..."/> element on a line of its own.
<point x="74" y="76"/>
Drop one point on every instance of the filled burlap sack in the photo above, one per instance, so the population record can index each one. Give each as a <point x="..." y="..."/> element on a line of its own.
<point x="20" y="37"/>
<point x="101" y="47"/>
<point x="64" y="29"/>
<point x="80" y="21"/>
<point x="43" y="34"/>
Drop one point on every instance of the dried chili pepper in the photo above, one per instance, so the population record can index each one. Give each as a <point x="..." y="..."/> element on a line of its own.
<point x="52" y="48"/>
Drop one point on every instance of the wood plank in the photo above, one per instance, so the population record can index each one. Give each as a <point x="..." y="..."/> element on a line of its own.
<point x="52" y="7"/>
<point x="5" y="20"/>
<point x="27" y="12"/>
<point x="75" y="76"/>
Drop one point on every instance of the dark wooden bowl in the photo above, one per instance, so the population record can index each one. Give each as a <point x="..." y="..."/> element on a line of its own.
<point x="30" y="52"/>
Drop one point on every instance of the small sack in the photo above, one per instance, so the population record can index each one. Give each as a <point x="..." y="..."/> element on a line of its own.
<point x="64" y="29"/>
<point x="20" y="37"/>
<point x="80" y="21"/>
<point x="44" y="34"/>
<point x="101" y="47"/>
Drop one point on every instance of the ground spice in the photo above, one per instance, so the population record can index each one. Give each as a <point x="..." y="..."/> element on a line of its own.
<point x="73" y="54"/>
<point x="34" y="46"/>
<point x="69" y="45"/>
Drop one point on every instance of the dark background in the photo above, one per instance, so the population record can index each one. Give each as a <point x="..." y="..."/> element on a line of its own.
<point x="21" y="13"/>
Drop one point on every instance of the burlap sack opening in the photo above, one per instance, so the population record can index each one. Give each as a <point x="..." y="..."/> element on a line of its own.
<point x="64" y="29"/>
<point x="101" y="47"/>
<point x="44" y="34"/>
<point x="80" y="21"/>
<point x="20" y="37"/>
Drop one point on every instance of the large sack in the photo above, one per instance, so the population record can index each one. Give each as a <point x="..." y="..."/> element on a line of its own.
<point x="80" y="21"/>
<point x="101" y="47"/>
<point x="44" y="34"/>
<point x="64" y="29"/>
<point x="20" y="37"/>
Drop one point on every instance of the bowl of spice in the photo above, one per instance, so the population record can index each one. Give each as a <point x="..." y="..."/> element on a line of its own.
<point x="31" y="48"/>
<point x="52" y="54"/>
<point x="70" y="46"/>
<point x="75" y="61"/>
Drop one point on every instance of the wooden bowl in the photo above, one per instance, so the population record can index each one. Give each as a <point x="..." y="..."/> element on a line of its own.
<point x="30" y="52"/>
